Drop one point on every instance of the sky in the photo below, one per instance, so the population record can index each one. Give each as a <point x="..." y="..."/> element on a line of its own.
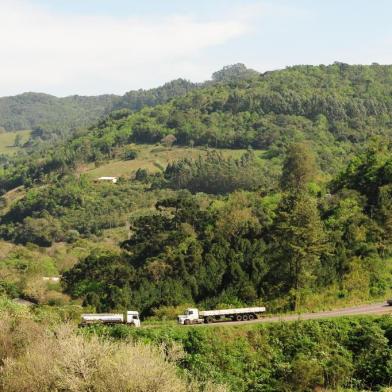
<point x="91" y="47"/>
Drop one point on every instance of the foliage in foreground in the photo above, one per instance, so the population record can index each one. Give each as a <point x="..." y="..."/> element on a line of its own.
<point x="35" y="357"/>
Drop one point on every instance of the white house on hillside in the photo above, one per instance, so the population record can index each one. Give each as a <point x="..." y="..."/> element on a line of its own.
<point x="111" y="179"/>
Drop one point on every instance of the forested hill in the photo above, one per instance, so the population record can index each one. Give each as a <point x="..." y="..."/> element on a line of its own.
<point x="33" y="110"/>
<point x="336" y="108"/>
<point x="52" y="114"/>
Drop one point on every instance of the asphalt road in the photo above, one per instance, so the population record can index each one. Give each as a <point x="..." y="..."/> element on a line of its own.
<point x="375" y="309"/>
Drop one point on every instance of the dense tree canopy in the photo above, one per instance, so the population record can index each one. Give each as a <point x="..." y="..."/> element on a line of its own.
<point x="287" y="245"/>
<point x="217" y="175"/>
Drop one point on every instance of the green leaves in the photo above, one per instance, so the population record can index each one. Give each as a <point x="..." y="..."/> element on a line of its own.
<point x="299" y="168"/>
<point x="215" y="174"/>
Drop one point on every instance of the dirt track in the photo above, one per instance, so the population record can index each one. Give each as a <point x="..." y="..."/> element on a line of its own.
<point x="379" y="308"/>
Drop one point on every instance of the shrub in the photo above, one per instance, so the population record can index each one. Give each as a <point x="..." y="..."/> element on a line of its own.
<point x="130" y="155"/>
<point x="40" y="231"/>
<point x="141" y="174"/>
<point x="72" y="236"/>
<point x="40" y="352"/>
<point x="69" y="362"/>
<point x="17" y="330"/>
<point x="168" y="140"/>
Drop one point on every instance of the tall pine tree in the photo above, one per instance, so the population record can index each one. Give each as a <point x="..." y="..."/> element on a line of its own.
<point x="298" y="236"/>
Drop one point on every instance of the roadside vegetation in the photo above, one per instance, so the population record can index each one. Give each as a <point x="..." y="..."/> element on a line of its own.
<point x="41" y="350"/>
<point x="346" y="354"/>
<point x="50" y="355"/>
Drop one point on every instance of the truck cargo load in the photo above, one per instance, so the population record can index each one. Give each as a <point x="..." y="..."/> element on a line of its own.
<point x="129" y="318"/>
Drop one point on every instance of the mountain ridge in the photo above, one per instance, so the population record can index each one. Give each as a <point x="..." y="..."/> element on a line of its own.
<point x="31" y="110"/>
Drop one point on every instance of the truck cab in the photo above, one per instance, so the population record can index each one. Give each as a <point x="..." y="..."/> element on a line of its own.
<point x="191" y="316"/>
<point x="132" y="317"/>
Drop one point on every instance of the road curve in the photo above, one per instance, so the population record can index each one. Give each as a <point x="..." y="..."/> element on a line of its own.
<point x="379" y="308"/>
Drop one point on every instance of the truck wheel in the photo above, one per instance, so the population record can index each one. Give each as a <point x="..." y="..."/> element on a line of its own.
<point x="245" y="317"/>
<point x="187" y="322"/>
<point x="238" y="317"/>
<point x="252" y="317"/>
<point x="209" y="319"/>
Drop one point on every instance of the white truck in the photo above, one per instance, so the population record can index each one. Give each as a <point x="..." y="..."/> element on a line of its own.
<point x="130" y="318"/>
<point x="194" y="316"/>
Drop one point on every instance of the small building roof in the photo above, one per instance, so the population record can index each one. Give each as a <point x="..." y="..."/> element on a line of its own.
<point x="107" y="178"/>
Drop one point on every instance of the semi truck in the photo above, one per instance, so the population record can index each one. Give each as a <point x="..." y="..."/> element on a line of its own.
<point x="194" y="316"/>
<point x="130" y="318"/>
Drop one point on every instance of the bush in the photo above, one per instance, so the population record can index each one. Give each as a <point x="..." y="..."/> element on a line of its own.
<point x="17" y="330"/>
<point x="130" y="155"/>
<point x="39" y="291"/>
<point x="65" y="361"/>
<point x="40" y="231"/>
<point x="72" y="236"/>
<point x="141" y="175"/>
<point x="168" y="140"/>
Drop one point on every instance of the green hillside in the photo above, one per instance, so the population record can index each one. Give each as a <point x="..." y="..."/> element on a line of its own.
<point x="33" y="110"/>
<point x="152" y="158"/>
<point x="270" y="188"/>
<point x="335" y="108"/>
<point x="7" y="141"/>
<point x="60" y="115"/>
<point x="47" y="114"/>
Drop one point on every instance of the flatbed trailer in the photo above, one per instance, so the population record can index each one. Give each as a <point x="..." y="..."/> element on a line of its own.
<point x="194" y="316"/>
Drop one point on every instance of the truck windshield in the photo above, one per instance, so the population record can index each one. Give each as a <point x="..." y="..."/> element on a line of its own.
<point x="190" y="312"/>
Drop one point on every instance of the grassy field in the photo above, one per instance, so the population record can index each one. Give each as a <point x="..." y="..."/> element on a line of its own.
<point x="154" y="159"/>
<point x="7" y="141"/>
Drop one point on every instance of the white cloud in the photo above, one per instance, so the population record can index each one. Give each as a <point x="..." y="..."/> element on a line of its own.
<point x="62" y="54"/>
